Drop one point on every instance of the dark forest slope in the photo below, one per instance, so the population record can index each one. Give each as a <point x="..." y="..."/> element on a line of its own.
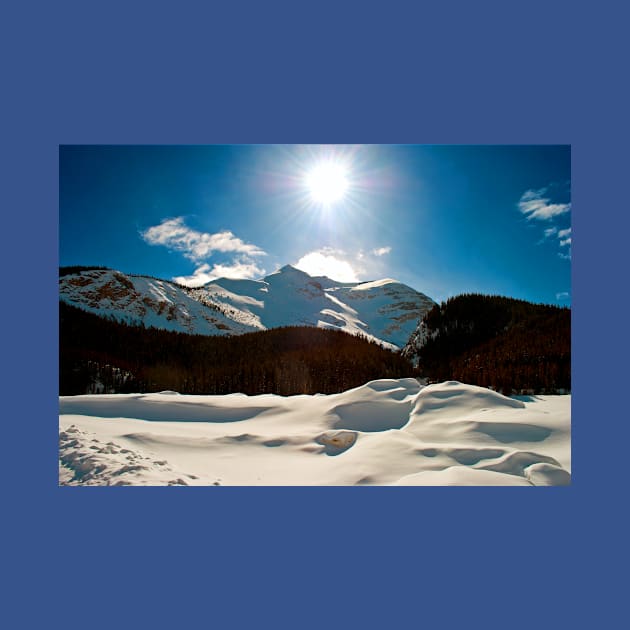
<point x="507" y="344"/>
<point x="290" y="360"/>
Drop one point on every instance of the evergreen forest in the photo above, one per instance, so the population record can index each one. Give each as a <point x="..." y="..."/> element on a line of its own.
<point x="100" y="355"/>
<point x="510" y="345"/>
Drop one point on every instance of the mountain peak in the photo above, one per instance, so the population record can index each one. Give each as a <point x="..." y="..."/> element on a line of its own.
<point x="383" y="310"/>
<point x="289" y="269"/>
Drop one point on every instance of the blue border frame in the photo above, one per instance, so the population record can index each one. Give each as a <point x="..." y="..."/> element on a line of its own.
<point x="397" y="72"/>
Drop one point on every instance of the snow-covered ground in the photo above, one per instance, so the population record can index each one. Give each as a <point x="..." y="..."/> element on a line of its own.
<point x="386" y="432"/>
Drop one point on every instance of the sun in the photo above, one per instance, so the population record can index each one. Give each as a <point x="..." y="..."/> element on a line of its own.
<point x="327" y="182"/>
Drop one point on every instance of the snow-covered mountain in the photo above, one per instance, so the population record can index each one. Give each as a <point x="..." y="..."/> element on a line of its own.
<point x="385" y="310"/>
<point x="143" y="300"/>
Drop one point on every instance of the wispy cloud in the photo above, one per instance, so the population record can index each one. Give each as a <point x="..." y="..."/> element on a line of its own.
<point x="563" y="295"/>
<point x="195" y="245"/>
<point x="381" y="251"/>
<point x="203" y="274"/>
<point x="564" y="236"/>
<point x="198" y="246"/>
<point x="535" y="204"/>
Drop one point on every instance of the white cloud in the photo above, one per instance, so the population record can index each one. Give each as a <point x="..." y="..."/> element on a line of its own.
<point x="204" y="274"/>
<point x="550" y="231"/>
<point x="534" y="205"/>
<point x="327" y="262"/>
<point x="381" y="251"/>
<point x="565" y="256"/>
<point x="563" y="295"/>
<point x="195" y="245"/>
<point x="200" y="276"/>
<point x="198" y="246"/>
<point x="565" y="237"/>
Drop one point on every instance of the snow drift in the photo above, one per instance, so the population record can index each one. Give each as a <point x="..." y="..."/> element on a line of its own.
<point x="386" y="432"/>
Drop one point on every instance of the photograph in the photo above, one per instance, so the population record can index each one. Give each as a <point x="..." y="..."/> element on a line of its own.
<point x="298" y="293"/>
<point x="315" y="315"/>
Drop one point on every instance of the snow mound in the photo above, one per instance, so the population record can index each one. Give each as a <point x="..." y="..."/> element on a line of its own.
<point x="371" y="416"/>
<point x="409" y="385"/>
<point x="460" y="476"/>
<point x="378" y="405"/>
<point x="452" y="395"/>
<point x="507" y="432"/>
<point x="171" y="407"/>
<point x="385" y="389"/>
<point x="386" y="432"/>
<point x="544" y="474"/>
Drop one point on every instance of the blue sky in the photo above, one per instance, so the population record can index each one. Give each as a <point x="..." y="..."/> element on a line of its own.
<point x="443" y="219"/>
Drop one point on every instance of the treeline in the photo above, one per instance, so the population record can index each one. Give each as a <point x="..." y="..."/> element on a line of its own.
<point x="510" y="345"/>
<point x="99" y="354"/>
<point x="72" y="269"/>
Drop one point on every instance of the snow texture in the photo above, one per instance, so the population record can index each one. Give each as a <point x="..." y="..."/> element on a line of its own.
<point x="386" y="432"/>
<point x="384" y="311"/>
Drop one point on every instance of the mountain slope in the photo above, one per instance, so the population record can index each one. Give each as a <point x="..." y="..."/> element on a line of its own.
<point x="498" y="342"/>
<point x="101" y="355"/>
<point x="141" y="300"/>
<point x="385" y="311"/>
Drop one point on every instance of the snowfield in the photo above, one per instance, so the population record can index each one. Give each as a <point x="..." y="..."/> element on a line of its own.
<point x="386" y="432"/>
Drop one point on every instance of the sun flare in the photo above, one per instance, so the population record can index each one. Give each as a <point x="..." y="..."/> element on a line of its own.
<point x="327" y="182"/>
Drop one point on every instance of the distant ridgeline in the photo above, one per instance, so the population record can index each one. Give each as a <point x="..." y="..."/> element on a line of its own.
<point x="66" y="271"/>
<point x="509" y="345"/>
<point x="99" y="355"/>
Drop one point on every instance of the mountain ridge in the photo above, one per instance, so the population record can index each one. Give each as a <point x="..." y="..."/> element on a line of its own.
<point x="385" y="311"/>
